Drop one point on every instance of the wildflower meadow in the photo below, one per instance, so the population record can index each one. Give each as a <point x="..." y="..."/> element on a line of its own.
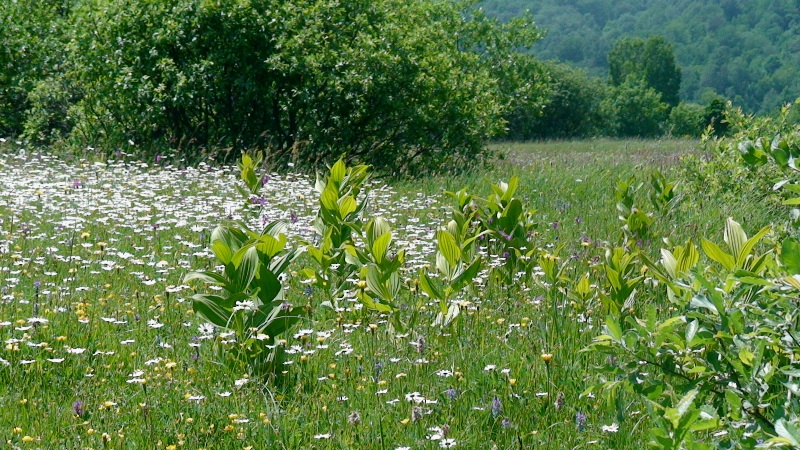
<point x="148" y="304"/>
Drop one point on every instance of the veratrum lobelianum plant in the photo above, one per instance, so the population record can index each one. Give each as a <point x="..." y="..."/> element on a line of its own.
<point x="337" y="224"/>
<point x="248" y="297"/>
<point x="720" y="368"/>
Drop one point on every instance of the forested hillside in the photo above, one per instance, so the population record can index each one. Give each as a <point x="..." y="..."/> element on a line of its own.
<point x="745" y="50"/>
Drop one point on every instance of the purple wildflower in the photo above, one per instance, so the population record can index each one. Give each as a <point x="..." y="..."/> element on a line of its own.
<point x="78" y="408"/>
<point x="497" y="407"/>
<point x="580" y="420"/>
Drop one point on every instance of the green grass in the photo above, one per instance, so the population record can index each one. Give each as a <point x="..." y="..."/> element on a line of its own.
<point x="101" y="348"/>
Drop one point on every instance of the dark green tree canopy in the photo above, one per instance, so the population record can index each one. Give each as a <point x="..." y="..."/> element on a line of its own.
<point x="743" y="50"/>
<point x="651" y="61"/>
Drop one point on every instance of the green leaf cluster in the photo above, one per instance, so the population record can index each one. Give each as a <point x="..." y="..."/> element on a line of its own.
<point x="407" y="87"/>
<point x="248" y="297"/>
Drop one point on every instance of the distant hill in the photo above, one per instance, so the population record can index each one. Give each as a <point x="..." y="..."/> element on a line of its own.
<point x="746" y="50"/>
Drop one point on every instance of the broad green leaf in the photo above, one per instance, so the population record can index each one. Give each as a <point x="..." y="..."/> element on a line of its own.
<point x="701" y="301"/>
<point x="467" y="275"/>
<point x="376" y="228"/>
<point x="792" y="201"/>
<point x="376" y="286"/>
<point x="269" y="287"/>
<point x="688" y="257"/>
<point x="513" y="212"/>
<point x="338" y="172"/>
<point x="584" y="288"/>
<point x="790" y="255"/>
<point x="613" y="278"/>
<point x="381" y="246"/>
<point x="510" y="189"/>
<point x="210" y="311"/>
<point x="448" y="247"/>
<point x="779" y="150"/>
<point x="222" y="251"/>
<point x="788" y="431"/>
<point x="713" y="251"/>
<point x="669" y="262"/>
<point x="275" y="229"/>
<point x="748" y="245"/>
<point x="428" y="287"/>
<point x="329" y="200"/>
<point x="347" y="205"/>
<point x="734" y="236"/>
<point x="207" y="277"/>
<point x="691" y="330"/>
<point x="246" y="263"/>
<point x="746" y="356"/>
<point x="614" y="330"/>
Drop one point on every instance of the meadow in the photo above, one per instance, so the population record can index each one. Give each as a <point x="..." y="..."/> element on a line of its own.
<point x="102" y="347"/>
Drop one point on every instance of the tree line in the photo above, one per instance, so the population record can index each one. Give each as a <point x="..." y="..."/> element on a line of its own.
<point x="407" y="87"/>
<point x="747" y="51"/>
<point x="640" y="97"/>
<point x="403" y="86"/>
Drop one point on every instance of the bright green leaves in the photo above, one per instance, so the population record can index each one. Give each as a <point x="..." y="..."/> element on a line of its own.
<point x="250" y="300"/>
<point x="247" y="172"/>
<point x="724" y="352"/>
<point x="740" y="256"/>
<point x="622" y="280"/>
<point x="790" y="255"/>
<point x="513" y="228"/>
<point x="350" y="248"/>
<point x="449" y="250"/>
<point x="337" y="223"/>
<point x="635" y="222"/>
<point x="454" y="270"/>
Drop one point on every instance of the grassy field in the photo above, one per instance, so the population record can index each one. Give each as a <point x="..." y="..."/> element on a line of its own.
<point x="101" y="348"/>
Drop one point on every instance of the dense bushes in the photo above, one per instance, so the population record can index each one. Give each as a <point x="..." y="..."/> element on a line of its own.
<point x="403" y="86"/>
<point x="30" y="33"/>
<point x="572" y="108"/>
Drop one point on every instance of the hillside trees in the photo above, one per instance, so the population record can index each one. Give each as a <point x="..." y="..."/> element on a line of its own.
<point x="744" y="51"/>
<point x="651" y="61"/>
<point x="407" y="86"/>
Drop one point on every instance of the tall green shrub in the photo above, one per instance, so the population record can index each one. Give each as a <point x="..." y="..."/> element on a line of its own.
<point x="635" y="110"/>
<point x="400" y="85"/>
<point x="30" y="50"/>
<point x="571" y="109"/>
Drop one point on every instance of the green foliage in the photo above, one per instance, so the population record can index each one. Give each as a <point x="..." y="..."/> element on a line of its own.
<point x="635" y="109"/>
<point x="651" y="62"/>
<point x="405" y="87"/>
<point x="338" y="222"/>
<point x="31" y="50"/>
<point x="687" y="120"/>
<point x="744" y="51"/>
<point x="512" y="225"/>
<point x="714" y="117"/>
<point x="249" y="298"/>
<point x="380" y="265"/>
<point x="571" y="109"/>
<point x="722" y="356"/>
